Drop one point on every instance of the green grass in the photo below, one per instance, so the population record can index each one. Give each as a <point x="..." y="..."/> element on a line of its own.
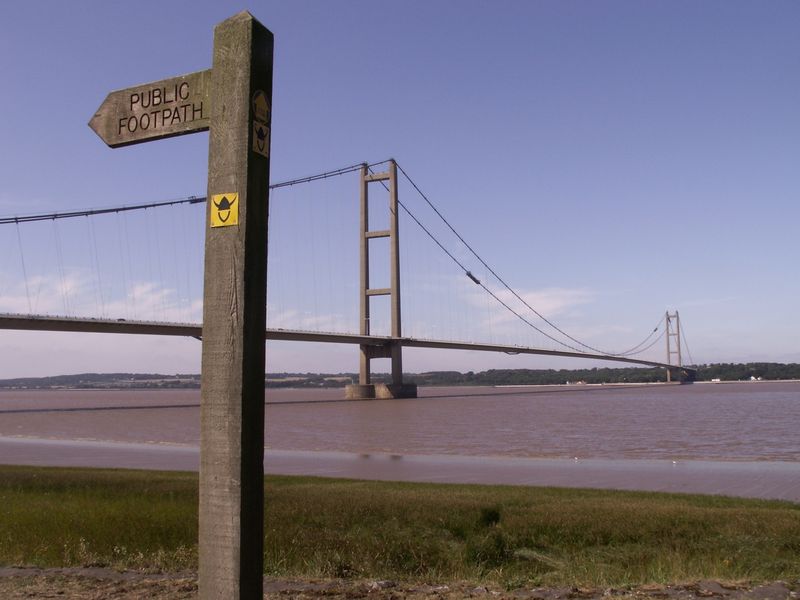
<point x="338" y="528"/>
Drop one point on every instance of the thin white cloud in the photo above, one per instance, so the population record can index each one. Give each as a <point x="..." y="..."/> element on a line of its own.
<point x="45" y="295"/>
<point x="147" y="300"/>
<point x="549" y="302"/>
<point x="78" y="294"/>
<point x="306" y="321"/>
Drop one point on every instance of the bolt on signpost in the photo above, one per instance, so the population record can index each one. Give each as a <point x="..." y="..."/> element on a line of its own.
<point x="233" y="102"/>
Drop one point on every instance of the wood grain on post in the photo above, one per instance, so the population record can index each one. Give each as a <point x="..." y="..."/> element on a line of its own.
<point x="231" y="527"/>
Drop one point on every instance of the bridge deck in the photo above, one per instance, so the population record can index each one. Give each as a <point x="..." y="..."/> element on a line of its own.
<point x="84" y="325"/>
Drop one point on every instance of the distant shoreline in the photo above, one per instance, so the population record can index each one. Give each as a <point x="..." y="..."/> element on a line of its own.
<point x="85" y="383"/>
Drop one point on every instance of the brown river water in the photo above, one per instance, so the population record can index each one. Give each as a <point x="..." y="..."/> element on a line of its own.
<point x="758" y="421"/>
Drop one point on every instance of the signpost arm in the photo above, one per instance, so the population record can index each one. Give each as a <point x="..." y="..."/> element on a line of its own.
<point x="231" y="526"/>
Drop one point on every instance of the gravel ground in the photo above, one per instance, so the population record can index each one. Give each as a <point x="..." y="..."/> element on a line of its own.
<point x="105" y="584"/>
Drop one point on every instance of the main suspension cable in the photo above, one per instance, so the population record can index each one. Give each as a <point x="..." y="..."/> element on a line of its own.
<point x="628" y="352"/>
<point x="637" y="349"/>
<point x="463" y="268"/>
<point x="686" y="345"/>
<point x="187" y="200"/>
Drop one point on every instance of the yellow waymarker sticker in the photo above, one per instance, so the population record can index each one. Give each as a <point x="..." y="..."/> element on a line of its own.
<point x="224" y="210"/>
<point x="261" y="139"/>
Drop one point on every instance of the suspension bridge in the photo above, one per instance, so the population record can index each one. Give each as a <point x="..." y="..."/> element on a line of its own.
<point x="136" y="270"/>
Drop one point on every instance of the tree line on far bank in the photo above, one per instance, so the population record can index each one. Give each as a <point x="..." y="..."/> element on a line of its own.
<point x="720" y="371"/>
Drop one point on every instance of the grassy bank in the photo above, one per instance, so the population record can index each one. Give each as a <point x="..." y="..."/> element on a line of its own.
<point x="336" y="528"/>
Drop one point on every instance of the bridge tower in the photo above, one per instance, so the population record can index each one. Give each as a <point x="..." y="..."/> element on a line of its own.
<point x="673" y="323"/>
<point x="365" y="388"/>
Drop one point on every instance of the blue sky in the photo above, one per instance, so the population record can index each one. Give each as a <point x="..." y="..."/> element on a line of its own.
<point x="611" y="160"/>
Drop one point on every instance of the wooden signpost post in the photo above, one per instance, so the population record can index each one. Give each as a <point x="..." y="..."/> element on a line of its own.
<point x="232" y="100"/>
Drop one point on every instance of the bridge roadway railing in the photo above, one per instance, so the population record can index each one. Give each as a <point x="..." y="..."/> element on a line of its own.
<point x="123" y="326"/>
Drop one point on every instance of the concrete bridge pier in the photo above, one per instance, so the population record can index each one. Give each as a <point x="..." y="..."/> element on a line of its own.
<point x="370" y="391"/>
<point x="365" y="389"/>
<point x="681" y="375"/>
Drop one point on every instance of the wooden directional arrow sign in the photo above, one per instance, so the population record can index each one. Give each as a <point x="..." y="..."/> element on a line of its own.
<point x="153" y="111"/>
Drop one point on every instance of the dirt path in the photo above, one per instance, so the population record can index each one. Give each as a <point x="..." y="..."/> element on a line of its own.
<point x="106" y="584"/>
